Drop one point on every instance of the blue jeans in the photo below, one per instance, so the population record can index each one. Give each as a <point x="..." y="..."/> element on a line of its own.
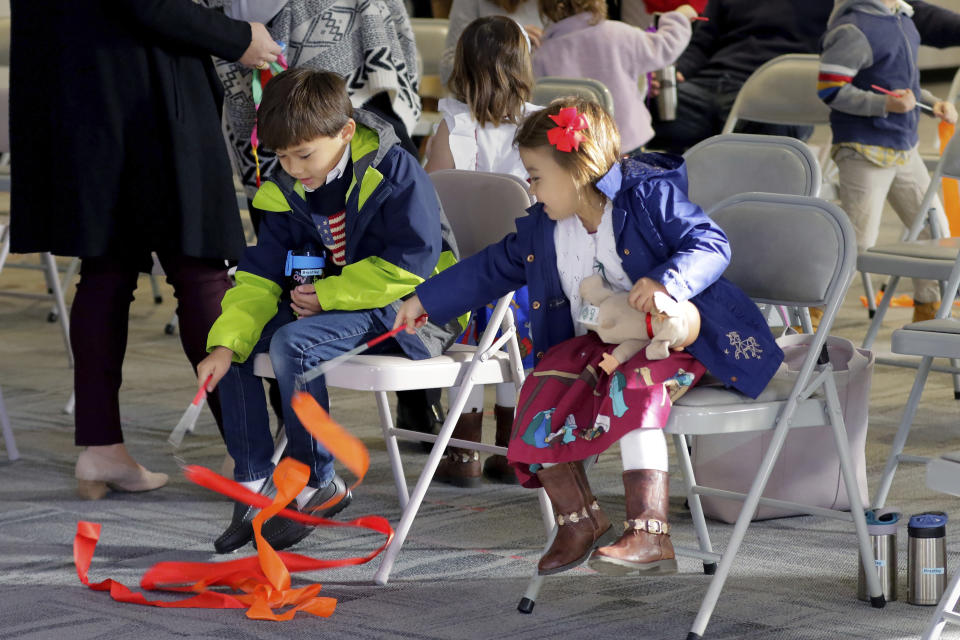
<point x="295" y="346"/>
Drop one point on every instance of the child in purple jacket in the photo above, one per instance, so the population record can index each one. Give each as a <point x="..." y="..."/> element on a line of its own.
<point x="579" y="42"/>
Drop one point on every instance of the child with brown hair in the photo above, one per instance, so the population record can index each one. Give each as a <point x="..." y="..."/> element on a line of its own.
<point x="579" y="42"/>
<point x="630" y="221"/>
<point x="349" y="193"/>
<point x="490" y="85"/>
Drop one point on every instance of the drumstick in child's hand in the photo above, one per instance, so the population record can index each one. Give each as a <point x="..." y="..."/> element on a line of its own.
<point x="921" y="105"/>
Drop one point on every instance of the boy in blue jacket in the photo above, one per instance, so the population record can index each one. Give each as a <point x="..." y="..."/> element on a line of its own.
<point x="370" y="209"/>
<point x="869" y="44"/>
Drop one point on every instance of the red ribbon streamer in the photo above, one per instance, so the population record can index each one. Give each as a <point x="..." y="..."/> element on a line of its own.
<point x="261" y="583"/>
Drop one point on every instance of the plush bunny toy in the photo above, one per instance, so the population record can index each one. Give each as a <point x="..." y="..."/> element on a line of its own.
<point x="673" y="326"/>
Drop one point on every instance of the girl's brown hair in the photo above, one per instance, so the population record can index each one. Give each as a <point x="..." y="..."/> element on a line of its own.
<point x="491" y="70"/>
<point x="557" y="10"/>
<point x="599" y="149"/>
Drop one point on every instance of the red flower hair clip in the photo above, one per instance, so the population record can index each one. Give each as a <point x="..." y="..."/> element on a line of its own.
<point x="566" y="136"/>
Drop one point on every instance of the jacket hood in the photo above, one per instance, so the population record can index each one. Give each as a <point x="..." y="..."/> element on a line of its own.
<point x="875" y="7"/>
<point x="642" y="167"/>
<point x="386" y="136"/>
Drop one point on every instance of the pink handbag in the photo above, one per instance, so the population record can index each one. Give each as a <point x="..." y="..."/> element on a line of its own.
<point x="808" y="469"/>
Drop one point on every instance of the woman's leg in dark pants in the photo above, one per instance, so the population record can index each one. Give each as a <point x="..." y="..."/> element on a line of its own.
<point x="98" y="335"/>
<point x="199" y="286"/>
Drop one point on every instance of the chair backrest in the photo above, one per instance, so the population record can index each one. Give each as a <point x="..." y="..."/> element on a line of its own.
<point x="481" y="207"/>
<point x="781" y="91"/>
<point x="430" y="35"/>
<point x="549" y="87"/>
<point x="790" y="250"/>
<point x="734" y="163"/>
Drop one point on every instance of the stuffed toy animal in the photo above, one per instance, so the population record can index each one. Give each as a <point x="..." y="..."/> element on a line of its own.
<point x="674" y="325"/>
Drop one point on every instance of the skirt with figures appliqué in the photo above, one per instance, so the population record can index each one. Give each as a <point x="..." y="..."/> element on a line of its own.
<point x="570" y="409"/>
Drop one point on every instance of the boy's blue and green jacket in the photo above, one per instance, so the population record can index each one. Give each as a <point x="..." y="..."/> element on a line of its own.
<point x="396" y="237"/>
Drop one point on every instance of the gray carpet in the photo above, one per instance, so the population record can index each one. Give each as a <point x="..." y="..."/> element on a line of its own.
<point x="470" y="553"/>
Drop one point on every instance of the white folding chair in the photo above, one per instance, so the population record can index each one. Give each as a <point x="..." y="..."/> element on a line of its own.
<point x="937" y="338"/>
<point x="943" y="474"/>
<point x="12" y="452"/>
<point x="733" y="163"/>
<point x="547" y="88"/>
<point x="481" y="208"/>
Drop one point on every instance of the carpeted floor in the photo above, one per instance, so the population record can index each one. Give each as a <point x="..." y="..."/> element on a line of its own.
<point x="469" y="555"/>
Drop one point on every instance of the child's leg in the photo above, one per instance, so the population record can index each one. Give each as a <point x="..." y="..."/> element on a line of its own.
<point x="300" y="346"/>
<point x="461" y="467"/>
<point x="246" y="420"/>
<point x="863" y="189"/>
<point x="645" y="545"/>
<point x="906" y="194"/>
<point x="644" y="449"/>
<point x="496" y="467"/>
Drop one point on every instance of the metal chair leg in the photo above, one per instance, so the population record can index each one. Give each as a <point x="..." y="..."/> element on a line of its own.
<point x="12" y="452"/>
<point x="902" y="432"/>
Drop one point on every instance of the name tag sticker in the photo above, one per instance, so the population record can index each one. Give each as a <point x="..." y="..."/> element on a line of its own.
<point x="932" y="571"/>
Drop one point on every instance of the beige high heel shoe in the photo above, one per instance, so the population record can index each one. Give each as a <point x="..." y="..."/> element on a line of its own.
<point x="112" y="467"/>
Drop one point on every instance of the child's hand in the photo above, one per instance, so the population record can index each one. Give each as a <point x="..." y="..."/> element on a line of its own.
<point x="408" y="314"/>
<point x="687" y="11"/>
<point x="641" y="295"/>
<point x="945" y="111"/>
<point x="304" y="301"/>
<point x="903" y="102"/>
<point x="214" y="366"/>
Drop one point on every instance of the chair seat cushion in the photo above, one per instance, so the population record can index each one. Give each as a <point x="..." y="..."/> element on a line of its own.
<point x="399" y="373"/>
<point x="712" y="408"/>
<point x="930" y="259"/>
<point x="940" y="338"/>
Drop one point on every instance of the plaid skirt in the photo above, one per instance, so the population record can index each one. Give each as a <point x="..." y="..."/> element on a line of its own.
<point x="570" y="409"/>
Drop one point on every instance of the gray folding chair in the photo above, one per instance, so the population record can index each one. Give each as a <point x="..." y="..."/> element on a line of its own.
<point x="937" y="338"/>
<point x="772" y="235"/>
<point x="430" y="35"/>
<point x="911" y="258"/>
<point x="733" y="163"/>
<point x="547" y="88"/>
<point x="481" y="208"/>
<point x="781" y="91"/>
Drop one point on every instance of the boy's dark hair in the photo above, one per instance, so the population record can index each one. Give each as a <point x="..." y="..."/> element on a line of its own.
<point x="491" y="70"/>
<point x="302" y="104"/>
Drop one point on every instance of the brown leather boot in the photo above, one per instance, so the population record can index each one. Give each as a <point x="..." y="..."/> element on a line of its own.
<point x="496" y="467"/>
<point x="645" y="546"/>
<point x="461" y="467"/>
<point x="581" y="525"/>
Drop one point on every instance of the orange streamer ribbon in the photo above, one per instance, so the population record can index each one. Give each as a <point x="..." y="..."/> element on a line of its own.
<point x="951" y="191"/>
<point x="261" y="583"/>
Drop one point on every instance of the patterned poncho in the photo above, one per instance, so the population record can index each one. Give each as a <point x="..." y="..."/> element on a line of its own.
<point x="368" y="42"/>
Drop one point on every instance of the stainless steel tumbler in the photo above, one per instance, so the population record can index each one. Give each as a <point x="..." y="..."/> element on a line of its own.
<point x="926" y="558"/>
<point x="667" y="98"/>
<point x="882" y="527"/>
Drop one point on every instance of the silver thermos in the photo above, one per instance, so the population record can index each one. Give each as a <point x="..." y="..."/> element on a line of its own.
<point x="667" y="98"/>
<point x="882" y="529"/>
<point x="926" y="558"/>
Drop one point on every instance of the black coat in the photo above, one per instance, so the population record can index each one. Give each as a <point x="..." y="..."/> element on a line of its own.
<point x="115" y="128"/>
